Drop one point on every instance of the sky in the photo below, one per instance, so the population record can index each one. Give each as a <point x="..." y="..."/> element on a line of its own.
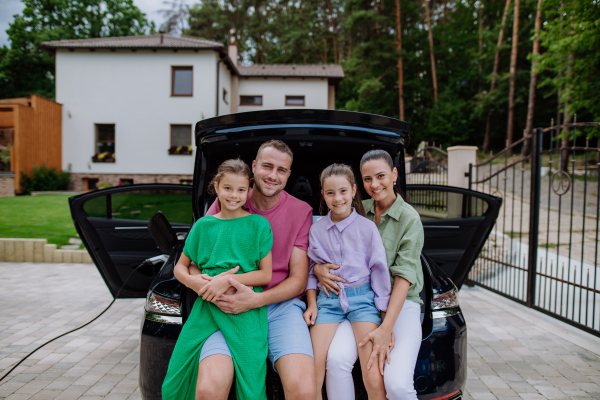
<point x="8" y="8"/>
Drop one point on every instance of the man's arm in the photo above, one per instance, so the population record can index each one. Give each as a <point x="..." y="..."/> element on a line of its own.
<point x="245" y="299"/>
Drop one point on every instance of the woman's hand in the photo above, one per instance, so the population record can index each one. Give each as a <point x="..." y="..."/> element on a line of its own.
<point x="215" y="288"/>
<point x="381" y="338"/>
<point x="310" y="315"/>
<point x="327" y="279"/>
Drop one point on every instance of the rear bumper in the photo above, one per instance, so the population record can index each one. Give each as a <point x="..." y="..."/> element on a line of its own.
<point x="157" y="341"/>
<point x="441" y="367"/>
<point x="440" y="371"/>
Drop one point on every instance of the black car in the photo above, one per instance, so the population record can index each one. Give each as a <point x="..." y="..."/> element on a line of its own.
<point x="121" y="228"/>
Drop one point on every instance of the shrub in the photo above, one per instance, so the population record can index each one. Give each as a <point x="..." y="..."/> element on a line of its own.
<point x="44" y="179"/>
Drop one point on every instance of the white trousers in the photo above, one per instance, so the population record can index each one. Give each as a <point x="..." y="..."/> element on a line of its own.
<point x="397" y="376"/>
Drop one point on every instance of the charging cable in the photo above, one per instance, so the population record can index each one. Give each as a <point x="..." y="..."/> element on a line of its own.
<point x="149" y="262"/>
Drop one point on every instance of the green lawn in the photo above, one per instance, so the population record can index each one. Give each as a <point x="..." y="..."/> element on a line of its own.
<point x="37" y="217"/>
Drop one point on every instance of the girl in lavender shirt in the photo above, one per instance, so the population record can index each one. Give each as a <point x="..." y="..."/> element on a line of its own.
<point x="347" y="238"/>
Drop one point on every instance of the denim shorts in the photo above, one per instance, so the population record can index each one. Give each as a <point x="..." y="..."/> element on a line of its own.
<point x="361" y="306"/>
<point x="288" y="333"/>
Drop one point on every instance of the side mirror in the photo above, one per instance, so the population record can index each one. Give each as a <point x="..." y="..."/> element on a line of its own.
<point x="162" y="233"/>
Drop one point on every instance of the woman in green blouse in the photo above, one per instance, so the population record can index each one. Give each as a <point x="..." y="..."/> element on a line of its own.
<point x="399" y="337"/>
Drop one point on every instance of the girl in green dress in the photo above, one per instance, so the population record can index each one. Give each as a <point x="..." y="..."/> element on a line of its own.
<point x="216" y="244"/>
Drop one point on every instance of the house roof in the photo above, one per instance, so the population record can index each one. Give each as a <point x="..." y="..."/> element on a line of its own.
<point x="157" y="41"/>
<point x="291" y="71"/>
<point x="170" y="42"/>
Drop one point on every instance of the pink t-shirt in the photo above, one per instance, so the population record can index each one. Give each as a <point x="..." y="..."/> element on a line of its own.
<point x="290" y="221"/>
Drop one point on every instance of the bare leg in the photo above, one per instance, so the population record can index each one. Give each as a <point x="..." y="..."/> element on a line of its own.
<point x="215" y="376"/>
<point x="321" y="336"/>
<point x="297" y="373"/>
<point x="372" y="378"/>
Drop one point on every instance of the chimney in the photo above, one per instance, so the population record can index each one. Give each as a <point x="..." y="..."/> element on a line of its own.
<point x="233" y="47"/>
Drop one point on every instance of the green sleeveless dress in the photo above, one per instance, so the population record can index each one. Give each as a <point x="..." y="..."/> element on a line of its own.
<point x="217" y="245"/>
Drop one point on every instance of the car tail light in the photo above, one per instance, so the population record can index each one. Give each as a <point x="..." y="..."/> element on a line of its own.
<point x="446" y="300"/>
<point x="161" y="305"/>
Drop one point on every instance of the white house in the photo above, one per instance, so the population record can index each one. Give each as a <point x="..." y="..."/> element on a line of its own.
<point x="130" y="103"/>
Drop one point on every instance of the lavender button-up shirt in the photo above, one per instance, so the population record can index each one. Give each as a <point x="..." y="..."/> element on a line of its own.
<point x="355" y="245"/>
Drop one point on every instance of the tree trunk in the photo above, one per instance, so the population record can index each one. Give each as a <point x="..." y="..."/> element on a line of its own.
<point x="445" y="1"/>
<point x="533" y="81"/>
<point x="431" y="54"/>
<point x="480" y="43"/>
<point x="513" y="74"/>
<point x="566" y="117"/>
<point x="335" y="49"/>
<point x="400" y="66"/>
<point x="488" y="125"/>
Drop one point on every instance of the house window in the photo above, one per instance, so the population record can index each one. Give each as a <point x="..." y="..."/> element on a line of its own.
<point x="225" y="97"/>
<point x="181" y="135"/>
<point x="105" y="139"/>
<point x="251" y="101"/>
<point x="181" y="81"/>
<point x="125" y="181"/>
<point x="294" y="100"/>
<point x="90" y="184"/>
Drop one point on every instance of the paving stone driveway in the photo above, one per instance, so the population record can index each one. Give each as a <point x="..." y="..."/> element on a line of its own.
<point x="514" y="352"/>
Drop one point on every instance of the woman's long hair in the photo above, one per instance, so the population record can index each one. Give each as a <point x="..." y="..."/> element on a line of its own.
<point x="345" y="171"/>
<point x="378" y="154"/>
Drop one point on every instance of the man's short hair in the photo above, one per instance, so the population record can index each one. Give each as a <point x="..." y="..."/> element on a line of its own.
<point x="277" y="145"/>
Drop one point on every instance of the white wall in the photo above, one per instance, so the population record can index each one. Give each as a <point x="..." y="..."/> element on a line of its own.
<point x="133" y="91"/>
<point x="224" y="83"/>
<point x="274" y="91"/>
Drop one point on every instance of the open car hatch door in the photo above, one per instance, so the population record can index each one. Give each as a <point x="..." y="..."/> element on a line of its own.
<point x="457" y="222"/>
<point x="113" y="226"/>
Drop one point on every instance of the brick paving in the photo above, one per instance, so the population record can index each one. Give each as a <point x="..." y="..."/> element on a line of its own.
<point x="514" y="352"/>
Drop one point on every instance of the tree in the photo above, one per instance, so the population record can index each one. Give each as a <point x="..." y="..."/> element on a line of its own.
<point x="26" y="69"/>
<point x="431" y="54"/>
<point x="400" y="66"/>
<point x="513" y="75"/>
<point x="488" y="124"/>
<point x="533" y="83"/>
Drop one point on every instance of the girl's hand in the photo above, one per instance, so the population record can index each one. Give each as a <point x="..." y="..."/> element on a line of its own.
<point x="381" y="339"/>
<point x="326" y="279"/>
<point x="215" y="288"/>
<point x="310" y="315"/>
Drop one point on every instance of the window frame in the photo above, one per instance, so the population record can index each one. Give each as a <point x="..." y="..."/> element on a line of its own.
<point x="251" y="104"/>
<point x="181" y="68"/>
<point x="96" y="149"/>
<point x="186" y="125"/>
<point x="295" y="105"/>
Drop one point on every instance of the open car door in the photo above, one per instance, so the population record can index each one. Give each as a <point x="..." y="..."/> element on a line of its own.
<point x="113" y="225"/>
<point x="457" y="222"/>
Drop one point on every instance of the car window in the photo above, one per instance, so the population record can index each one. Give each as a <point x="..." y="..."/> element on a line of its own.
<point x="432" y="204"/>
<point x="141" y="205"/>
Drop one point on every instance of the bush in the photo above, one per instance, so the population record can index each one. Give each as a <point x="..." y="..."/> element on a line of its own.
<point x="44" y="179"/>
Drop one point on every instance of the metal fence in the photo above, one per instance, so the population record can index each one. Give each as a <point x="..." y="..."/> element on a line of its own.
<point x="429" y="167"/>
<point x="543" y="250"/>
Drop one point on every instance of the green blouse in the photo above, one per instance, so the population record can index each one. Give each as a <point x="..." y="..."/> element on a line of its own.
<point x="402" y="234"/>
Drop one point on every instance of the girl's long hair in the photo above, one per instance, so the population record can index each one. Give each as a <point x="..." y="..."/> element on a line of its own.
<point x="233" y="166"/>
<point x="378" y="154"/>
<point x="345" y="171"/>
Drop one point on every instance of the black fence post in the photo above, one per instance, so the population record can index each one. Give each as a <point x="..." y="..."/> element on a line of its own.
<point x="534" y="213"/>
<point x="470" y="175"/>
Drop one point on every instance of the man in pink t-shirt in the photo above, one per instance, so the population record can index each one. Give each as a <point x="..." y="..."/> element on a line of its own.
<point x="290" y="347"/>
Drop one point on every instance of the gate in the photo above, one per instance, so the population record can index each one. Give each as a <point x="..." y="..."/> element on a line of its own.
<point x="543" y="249"/>
<point x="428" y="167"/>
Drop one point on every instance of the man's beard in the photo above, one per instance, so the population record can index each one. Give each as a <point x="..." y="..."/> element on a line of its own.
<point x="258" y="188"/>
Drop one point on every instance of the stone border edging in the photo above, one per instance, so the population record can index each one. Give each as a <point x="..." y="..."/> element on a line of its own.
<point x="38" y="250"/>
